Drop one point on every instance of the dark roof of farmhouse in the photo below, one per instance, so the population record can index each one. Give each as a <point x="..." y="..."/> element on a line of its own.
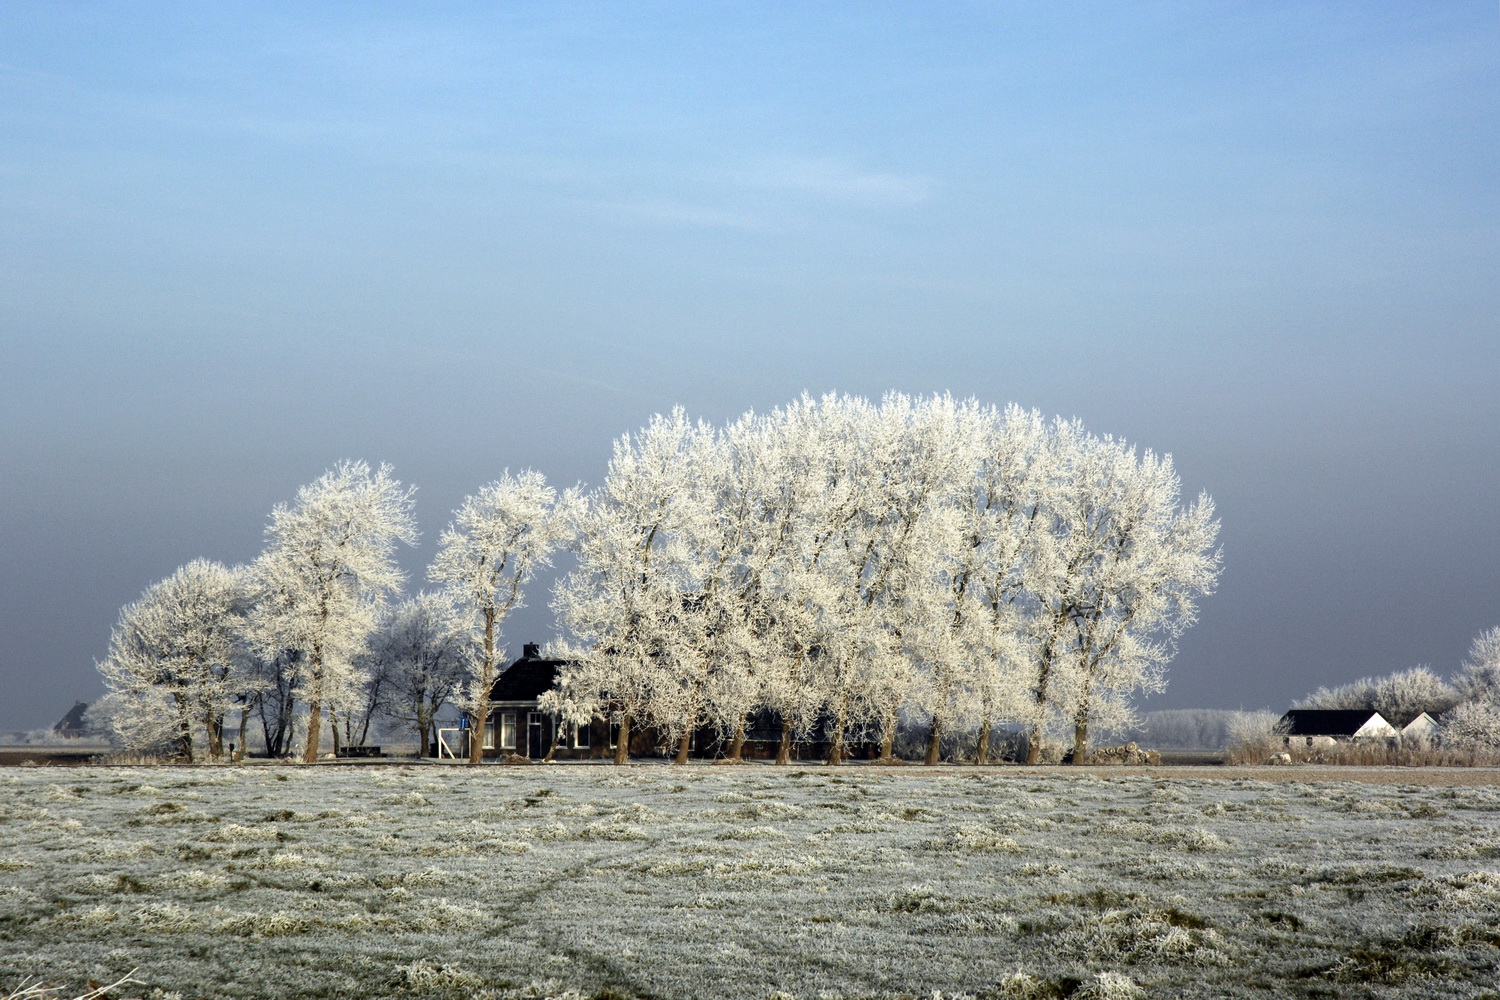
<point x="73" y="721"/>
<point x="528" y="678"/>
<point x="1325" y="721"/>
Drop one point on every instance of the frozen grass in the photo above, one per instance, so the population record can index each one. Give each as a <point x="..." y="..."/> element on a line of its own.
<point x="578" y="881"/>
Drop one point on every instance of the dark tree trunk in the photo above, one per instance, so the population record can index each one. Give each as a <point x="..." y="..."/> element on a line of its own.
<point x="737" y="745"/>
<point x="184" y="725"/>
<point x="481" y="716"/>
<point x="888" y="736"/>
<point x="836" y="740"/>
<point x="1034" y="745"/>
<point x="314" y="710"/>
<point x="1081" y="740"/>
<point x="622" y="741"/>
<point x="935" y="742"/>
<point x="982" y="756"/>
<point x="682" y="748"/>
<point x="784" y="748"/>
<point x="1039" y="698"/>
<point x="215" y="725"/>
<point x="557" y="732"/>
<point x="244" y="731"/>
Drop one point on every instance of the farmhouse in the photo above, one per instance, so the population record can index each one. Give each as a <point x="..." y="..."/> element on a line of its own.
<point x="1325" y="727"/>
<point x="519" y="727"/>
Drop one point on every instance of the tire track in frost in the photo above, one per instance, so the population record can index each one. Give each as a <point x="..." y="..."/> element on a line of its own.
<point x="548" y="939"/>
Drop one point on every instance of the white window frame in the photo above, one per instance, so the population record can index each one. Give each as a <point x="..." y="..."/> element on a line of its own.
<point x="581" y="736"/>
<point x="507" y="730"/>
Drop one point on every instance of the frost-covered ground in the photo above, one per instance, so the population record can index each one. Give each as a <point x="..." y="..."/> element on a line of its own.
<point x="720" y="882"/>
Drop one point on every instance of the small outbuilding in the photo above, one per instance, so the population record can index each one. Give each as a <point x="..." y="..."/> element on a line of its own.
<point x="1420" y="731"/>
<point x="1326" y="727"/>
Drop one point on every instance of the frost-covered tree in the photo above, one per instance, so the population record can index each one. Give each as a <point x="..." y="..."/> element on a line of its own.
<point x="144" y="721"/>
<point x="325" y="577"/>
<point x="984" y="676"/>
<point x="1197" y="728"/>
<point x="1355" y="695"/>
<point x="1119" y="578"/>
<point x="1399" y="697"/>
<point x="842" y="563"/>
<point x="1479" y="678"/>
<point x="787" y="462"/>
<point x="628" y="602"/>
<point x="173" y="663"/>
<point x="830" y="630"/>
<point x="498" y="539"/>
<point x="698" y="674"/>
<point x="419" y="654"/>
<point x="922" y="456"/>
<point x="1475" y="722"/>
<point x="1402" y="696"/>
<point x="1472" y="725"/>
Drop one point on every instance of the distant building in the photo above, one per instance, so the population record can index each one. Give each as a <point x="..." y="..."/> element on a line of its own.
<point x="517" y="725"/>
<point x="71" y="725"/>
<point x="1421" y="730"/>
<point x="1325" y="727"/>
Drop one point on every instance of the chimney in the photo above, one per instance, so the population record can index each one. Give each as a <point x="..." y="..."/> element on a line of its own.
<point x="531" y="651"/>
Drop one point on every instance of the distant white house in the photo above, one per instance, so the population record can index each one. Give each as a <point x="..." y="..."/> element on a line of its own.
<point x="1422" y="729"/>
<point x="1326" y="727"/>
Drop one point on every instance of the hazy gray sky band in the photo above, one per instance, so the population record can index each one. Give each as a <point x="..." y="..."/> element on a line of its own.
<point x="238" y="243"/>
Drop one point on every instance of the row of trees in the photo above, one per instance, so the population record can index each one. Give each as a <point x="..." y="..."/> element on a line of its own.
<point x="843" y="563"/>
<point x="309" y="632"/>
<point x="1467" y="707"/>
<point x="840" y="563"/>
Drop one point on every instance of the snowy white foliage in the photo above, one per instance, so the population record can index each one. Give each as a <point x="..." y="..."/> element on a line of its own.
<point x="173" y="664"/>
<point x="740" y="883"/>
<point x="847" y="562"/>
<point x="497" y="541"/>
<point x="1473" y="725"/>
<point x="837" y="564"/>
<point x="1399" y="697"/>
<point x="1479" y="680"/>
<point x="1467" y="710"/>
<point x="325" y="577"/>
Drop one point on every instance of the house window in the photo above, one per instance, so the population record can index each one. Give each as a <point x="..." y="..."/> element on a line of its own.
<point x="489" y="733"/>
<point x="581" y="737"/>
<point x="507" y="730"/>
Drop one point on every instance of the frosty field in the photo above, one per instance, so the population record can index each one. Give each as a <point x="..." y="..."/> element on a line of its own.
<point x="741" y="882"/>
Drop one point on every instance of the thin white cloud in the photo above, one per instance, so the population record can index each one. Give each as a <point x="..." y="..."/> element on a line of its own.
<point x="674" y="212"/>
<point x="835" y="179"/>
<point x="771" y="194"/>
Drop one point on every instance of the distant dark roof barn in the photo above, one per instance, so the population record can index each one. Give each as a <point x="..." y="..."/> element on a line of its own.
<point x="72" y="723"/>
<point x="1336" y="722"/>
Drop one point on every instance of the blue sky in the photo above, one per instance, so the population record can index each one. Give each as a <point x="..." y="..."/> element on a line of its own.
<point x="239" y="242"/>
